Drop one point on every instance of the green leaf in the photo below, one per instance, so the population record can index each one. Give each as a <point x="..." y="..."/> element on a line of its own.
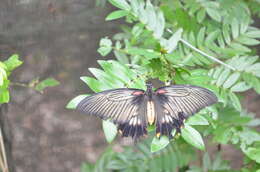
<point x="106" y="79"/>
<point x="148" y="53"/>
<point x="231" y="80"/>
<point x="110" y="130"/>
<point x="122" y="4"/>
<point x="105" y="46"/>
<point x="253" y="153"/>
<point x="173" y="41"/>
<point x="235" y="101"/>
<point x="252" y="81"/>
<point x="13" y="62"/>
<point x="75" y="101"/>
<point x="94" y="84"/>
<point x="151" y="16"/>
<point x="248" y="41"/>
<point x="226" y="35"/>
<point x="240" y="87"/>
<point x="235" y="28"/>
<point x="4" y="95"/>
<point x="116" y="15"/>
<point x="3" y="74"/>
<point x="193" y="137"/>
<point x="197" y="120"/>
<point x="158" y="144"/>
<point x="214" y="14"/>
<point x="223" y="77"/>
<point x="201" y="15"/>
<point x="239" y="47"/>
<point x="49" y="82"/>
<point x="211" y="37"/>
<point x="253" y="34"/>
<point x="201" y="37"/>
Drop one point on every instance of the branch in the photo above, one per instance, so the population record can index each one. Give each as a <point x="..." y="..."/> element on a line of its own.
<point x="205" y="54"/>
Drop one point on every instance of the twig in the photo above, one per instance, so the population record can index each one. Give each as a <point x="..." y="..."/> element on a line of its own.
<point x="3" y="151"/>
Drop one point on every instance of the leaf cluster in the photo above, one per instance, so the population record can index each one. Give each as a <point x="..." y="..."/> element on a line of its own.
<point x="205" y="43"/>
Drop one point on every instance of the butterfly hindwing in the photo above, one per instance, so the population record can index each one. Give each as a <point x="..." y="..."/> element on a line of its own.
<point x="123" y="106"/>
<point x="176" y="103"/>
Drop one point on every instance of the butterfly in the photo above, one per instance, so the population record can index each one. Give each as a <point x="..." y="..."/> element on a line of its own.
<point x="134" y="109"/>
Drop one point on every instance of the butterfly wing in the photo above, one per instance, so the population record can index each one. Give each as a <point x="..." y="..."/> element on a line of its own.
<point x="123" y="106"/>
<point x="177" y="102"/>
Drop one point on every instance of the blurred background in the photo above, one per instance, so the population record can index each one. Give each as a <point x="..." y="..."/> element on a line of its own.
<point x="58" y="38"/>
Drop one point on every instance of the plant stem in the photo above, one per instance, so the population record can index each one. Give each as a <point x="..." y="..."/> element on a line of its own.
<point x="207" y="55"/>
<point x="203" y="53"/>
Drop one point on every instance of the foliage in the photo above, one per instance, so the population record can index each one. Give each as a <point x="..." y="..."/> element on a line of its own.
<point x="204" y="32"/>
<point x="6" y="68"/>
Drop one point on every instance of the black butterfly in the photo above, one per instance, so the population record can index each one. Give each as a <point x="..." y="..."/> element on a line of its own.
<point x="134" y="109"/>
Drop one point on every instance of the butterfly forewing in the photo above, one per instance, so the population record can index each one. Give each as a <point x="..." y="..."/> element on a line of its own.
<point x="185" y="98"/>
<point x="125" y="107"/>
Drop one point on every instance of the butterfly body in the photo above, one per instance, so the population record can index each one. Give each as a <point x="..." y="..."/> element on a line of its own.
<point x="134" y="109"/>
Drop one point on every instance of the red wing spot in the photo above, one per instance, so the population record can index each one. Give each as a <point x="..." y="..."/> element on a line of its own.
<point x="161" y="91"/>
<point x="137" y="93"/>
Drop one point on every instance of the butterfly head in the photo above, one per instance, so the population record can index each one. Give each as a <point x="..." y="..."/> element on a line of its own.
<point x="149" y="89"/>
<point x="149" y="85"/>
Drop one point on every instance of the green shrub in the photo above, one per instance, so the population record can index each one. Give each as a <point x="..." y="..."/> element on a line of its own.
<point x="206" y="43"/>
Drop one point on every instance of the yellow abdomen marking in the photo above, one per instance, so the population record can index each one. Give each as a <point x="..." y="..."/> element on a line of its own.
<point x="150" y="112"/>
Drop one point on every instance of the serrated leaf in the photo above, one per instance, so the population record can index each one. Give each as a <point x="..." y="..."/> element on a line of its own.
<point x="197" y="120"/>
<point x="122" y="4"/>
<point x="49" y="82"/>
<point x="110" y="130"/>
<point x="193" y="137"/>
<point x="75" y="101"/>
<point x="235" y="101"/>
<point x="116" y="15"/>
<point x="240" y="87"/>
<point x="159" y="143"/>
<point x="232" y="79"/>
